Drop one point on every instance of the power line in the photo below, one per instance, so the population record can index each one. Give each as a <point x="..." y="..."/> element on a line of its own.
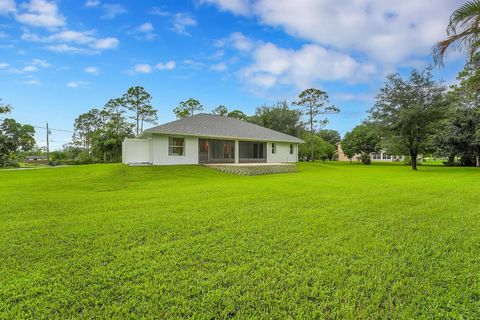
<point x="40" y="127"/>
<point x="61" y="130"/>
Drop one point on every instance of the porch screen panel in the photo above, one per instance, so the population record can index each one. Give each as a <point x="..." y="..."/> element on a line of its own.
<point x="222" y="149"/>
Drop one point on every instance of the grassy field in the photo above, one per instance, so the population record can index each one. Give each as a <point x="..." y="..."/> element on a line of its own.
<point x="332" y="241"/>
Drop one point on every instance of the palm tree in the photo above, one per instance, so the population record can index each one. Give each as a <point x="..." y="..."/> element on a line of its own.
<point x="463" y="32"/>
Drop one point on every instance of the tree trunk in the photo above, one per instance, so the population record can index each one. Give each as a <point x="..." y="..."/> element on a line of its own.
<point x="312" y="145"/>
<point x="451" y="159"/>
<point x="413" y="156"/>
<point x="477" y="160"/>
<point x="138" y="119"/>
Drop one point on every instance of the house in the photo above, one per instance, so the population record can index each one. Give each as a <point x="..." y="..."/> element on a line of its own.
<point x="206" y="138"/>
<point x="380" y="156"/>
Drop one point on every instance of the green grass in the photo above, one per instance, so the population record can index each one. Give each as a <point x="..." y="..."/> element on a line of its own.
<point x="332" y="241"/>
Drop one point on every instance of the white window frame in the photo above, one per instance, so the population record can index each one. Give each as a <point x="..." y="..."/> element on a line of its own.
<point x="274" y="148"/>
<point x="292" y="149"/>
<point x="172" y="146"/>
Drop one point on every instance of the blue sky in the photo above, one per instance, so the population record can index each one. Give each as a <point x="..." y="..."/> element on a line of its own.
<point x="61" y="58"/>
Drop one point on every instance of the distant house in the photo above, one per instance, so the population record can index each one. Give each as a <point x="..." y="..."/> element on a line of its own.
<point x="206" y="138"/>
<point x="34" y="159"/>
<point x="380" y="156"/>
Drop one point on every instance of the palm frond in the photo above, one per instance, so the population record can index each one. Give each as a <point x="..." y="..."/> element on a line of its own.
<point x="464" y="15"/>
<point x="467" y="19"/>
<point x="468" y="38"/>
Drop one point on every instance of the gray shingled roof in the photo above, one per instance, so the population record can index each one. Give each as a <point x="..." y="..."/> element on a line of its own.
<point x="208" y="125"/>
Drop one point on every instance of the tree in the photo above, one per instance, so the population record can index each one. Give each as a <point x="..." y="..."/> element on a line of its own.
<point x="462" y="32"/>
<point x="348" y="146"/>
<point x="331" y="136"/>
<point x="187" y="108"/>
<point x="148" y="115"/>
<point x="279" y="117"/>
<point x="237" y="114"/>
<point x="14" y="137"/>
<point x="84" y="126"/>
<point x="362" y="140"/>
<point x="101" y="132"/>
<point x="4" y="108"/>
<point x="321" y="149"/>
<point x="314" y="102"/>
<point x="137" y="100"/>
<point x="107" y="140"/>
<point x="408" y="111"/>
<point x="460" y="131"/>
<point x="220" y="111"/>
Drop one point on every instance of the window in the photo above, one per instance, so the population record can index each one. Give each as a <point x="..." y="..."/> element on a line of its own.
<point x="274" y="148"/>
<point x="291" y="148"/>
<point x="176" y="146"/>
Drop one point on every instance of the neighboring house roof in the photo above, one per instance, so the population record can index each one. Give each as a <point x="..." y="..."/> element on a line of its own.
<point x="208" y="125"/>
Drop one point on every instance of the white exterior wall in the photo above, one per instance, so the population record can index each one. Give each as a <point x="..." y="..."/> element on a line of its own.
<point x="136" y="151"/>
<point x="154" y="150"/>
<point x="160" y="151"/>
<point x="283" y="152"/>
<point x="393" y="158"/>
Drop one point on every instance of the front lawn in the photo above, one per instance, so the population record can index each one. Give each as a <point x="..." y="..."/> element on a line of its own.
<point x="332" y="241"/>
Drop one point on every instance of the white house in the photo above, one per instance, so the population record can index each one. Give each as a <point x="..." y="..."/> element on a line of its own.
<point x="206" y="138"/>
<point x="382" y="156"/>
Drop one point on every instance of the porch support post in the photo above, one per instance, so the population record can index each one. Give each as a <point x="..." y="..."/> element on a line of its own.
<point x="237" y="151"/>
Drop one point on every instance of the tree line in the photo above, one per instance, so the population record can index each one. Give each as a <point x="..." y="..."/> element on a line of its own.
<point x="99" y="133"/>
<point x="419" y="116"/>
<point x="14" y="137"/>
<point x="299" y="118"/>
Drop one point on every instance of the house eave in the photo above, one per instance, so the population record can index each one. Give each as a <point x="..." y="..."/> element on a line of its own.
<point x="149" y="133"/>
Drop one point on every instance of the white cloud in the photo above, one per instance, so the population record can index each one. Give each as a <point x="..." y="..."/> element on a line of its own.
<point x="106" y="43"/>
<point x="30" y="69"/>
<point x="387" y="32"/>
<point x="192" y="64"/>
<point x="7" y="6"/>
<point x="146" y="27"/>
<point x="67" y="37"/>
<point x="169" y="65"/>
<point x="159" y="12"/>
<point x="41" y="63"/>
<point x="77" y="84"/>
<point x="112" y="10"/>
<point x="219" y="67"/>
<point x="145" y="31"/>
<point x="78" y="37"/>
<point x="142" y="68"/>
<point x="65" y="48"/>
<point x="181" y="21"/>
<point x="147" y="68"/>
<point x="241" y="7"/>
<point x="240" y="42"/>
<point x="92" y="70"/>
<point x="272" y="65"/>
<point x="92" y="3"/>
<point x="32" y="82"/>
<point x="41" y="13"/>
<point x="4" y="65"/>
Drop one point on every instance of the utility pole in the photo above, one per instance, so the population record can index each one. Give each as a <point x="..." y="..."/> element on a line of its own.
<point x="48" y="143"/>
